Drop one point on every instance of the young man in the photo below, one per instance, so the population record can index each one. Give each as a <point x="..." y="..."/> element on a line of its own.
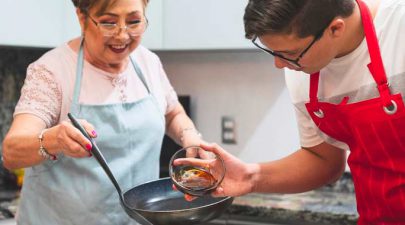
<point x="345" y="63"/>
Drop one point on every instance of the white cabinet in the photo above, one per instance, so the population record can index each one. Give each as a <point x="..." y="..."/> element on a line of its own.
<point x="208" y="24"/>
<point x="153" y="37"/>
<point x="173" y="24"/>
<point x="69" y="22"/>
<point x="40" y="23"/>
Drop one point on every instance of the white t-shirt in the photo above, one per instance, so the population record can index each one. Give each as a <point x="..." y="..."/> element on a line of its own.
<point x="349" y="75"/>
<point x="48" y="88"/>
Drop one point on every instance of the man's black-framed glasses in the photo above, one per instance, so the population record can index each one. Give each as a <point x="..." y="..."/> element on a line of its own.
<point x="134" y="28"/>
<point x="293" y="62"/>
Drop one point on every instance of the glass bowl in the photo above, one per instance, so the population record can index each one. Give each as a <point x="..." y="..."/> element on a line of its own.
<point x="195" y="171"/>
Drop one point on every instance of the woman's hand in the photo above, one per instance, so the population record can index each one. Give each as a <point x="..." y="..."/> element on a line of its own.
<point x="72" y="142"/>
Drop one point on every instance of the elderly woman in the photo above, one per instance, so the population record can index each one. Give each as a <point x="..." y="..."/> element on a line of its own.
<point x="121" y="94"/>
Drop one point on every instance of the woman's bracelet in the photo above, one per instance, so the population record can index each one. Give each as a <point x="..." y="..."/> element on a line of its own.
<point x="189" y="129"/>
<point x="42" y="150"/>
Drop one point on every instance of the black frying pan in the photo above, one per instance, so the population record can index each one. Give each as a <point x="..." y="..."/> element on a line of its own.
<point x="156" y="202"/>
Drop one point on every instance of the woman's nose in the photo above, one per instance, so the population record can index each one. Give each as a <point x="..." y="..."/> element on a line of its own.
<point x="122" y="33"/>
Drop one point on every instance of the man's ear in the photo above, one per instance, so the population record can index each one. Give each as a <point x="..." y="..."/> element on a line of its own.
<point x="337" y="27"/>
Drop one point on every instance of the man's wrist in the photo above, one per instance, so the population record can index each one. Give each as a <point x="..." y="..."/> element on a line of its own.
<point x="253" y="176"/>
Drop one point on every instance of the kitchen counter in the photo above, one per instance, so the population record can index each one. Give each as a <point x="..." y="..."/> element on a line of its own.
<point x="330" y="205"/>
<point x="315" y="207"/>
<point x="319" y="207"/>
<point x="8" y="204"/>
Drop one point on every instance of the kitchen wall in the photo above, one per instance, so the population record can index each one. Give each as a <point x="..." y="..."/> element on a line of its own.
<point x="243" y="84"/>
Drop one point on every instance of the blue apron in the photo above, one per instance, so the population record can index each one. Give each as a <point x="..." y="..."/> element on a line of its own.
<point x="75" y="191"/>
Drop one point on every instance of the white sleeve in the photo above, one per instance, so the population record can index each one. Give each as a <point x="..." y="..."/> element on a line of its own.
<point x="40" y="95"/>
<point x="168" y="91"/>
<point x="298" y="87"/>
<point x="308" y="132"/>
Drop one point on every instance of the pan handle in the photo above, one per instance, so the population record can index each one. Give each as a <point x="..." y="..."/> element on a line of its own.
<point x="97" y="153"/>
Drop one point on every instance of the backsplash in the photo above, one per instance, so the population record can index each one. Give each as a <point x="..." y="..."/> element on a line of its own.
<point x="13" y="65"/>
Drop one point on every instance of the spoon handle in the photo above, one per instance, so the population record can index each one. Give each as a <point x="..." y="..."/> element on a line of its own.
<point x="96" y="153"/>
<point x="101" y="160"/>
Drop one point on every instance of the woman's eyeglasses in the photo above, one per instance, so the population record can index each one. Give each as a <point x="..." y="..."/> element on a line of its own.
<point x="134" y="28"/>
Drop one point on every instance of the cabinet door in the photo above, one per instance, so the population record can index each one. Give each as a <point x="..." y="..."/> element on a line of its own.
<point x="70" y="26"/>
<point x="208" y="24"/>
<point x="38" y="23"/>
<point x="153" y="37"/>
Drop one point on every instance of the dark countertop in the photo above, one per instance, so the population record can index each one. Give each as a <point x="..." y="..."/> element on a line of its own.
<point x="314" y="207"/>
<point x="331" y="205"/>
<point x="309" y="208"/>
<point x="8" y="203"/>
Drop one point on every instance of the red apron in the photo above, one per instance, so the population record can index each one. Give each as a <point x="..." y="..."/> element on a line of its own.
<point x="374" y="130"/>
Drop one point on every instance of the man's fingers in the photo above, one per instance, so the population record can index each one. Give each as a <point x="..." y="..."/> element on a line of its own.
<point x="193" y="161"/>
<point x="219" y="192"/>
<point x="214" y="148"/>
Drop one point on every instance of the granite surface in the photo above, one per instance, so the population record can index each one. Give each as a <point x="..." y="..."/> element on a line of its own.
<point x="330" y="205"/>
<point x="333" y="204"/>
<point x="313" y="207"/>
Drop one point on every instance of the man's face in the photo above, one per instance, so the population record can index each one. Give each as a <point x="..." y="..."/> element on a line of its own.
<point x="308" y="54"/>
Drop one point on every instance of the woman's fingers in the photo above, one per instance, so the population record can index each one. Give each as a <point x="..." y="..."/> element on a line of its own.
<point x="77" y="136"/>
<point x="75" y="149"/>
<point x="89" y="128"/>
<point x="75" y="144"/>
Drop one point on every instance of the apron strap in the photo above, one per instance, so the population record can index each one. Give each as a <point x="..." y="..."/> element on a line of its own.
<point x="139" y="73"/>
<point x="78" y="81"/>
<point x="313" y="88"/>
<point x="376" y="66"/>
<point x="79" y="74"/>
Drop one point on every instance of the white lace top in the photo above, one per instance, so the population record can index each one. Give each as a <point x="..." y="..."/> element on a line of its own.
<point x="48" y="88"/>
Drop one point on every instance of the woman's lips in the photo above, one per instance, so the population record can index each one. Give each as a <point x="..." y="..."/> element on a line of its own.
<point x="118" y="48"/>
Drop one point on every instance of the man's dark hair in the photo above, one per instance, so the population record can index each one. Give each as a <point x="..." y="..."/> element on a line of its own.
<point x="303" y="17"/>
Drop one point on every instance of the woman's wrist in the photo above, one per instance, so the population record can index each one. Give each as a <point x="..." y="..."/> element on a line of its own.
<point x="50" y="142"/>
<point x="42" y="151"/>
<point x="189" y="136"/>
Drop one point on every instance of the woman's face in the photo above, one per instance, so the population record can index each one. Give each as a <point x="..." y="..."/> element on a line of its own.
<point x="112" y="47"/>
